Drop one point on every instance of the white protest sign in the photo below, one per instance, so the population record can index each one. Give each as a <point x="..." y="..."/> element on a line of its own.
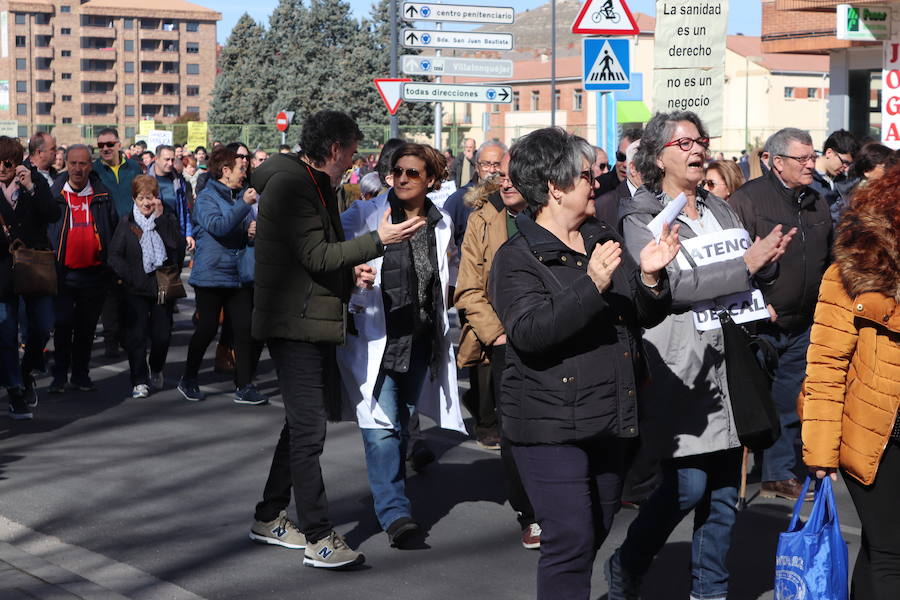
<point x="158" y="137"/>
<point x="667" y="215"/>
<point x="689" y="59"/>
<point x="440" y="197"/>
<point x="711" y="248"/>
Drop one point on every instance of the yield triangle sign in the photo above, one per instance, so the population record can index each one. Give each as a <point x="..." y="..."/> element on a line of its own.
<point x="390" y="91"/>
<point x="605" y="17"/>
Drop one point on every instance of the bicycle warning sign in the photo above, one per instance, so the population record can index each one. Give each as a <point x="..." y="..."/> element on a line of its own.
<point x="605" y="17"/>
<point x="607" y="64"/>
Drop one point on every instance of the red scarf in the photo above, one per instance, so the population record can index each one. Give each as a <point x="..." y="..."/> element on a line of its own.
<point x="82" y="242"/>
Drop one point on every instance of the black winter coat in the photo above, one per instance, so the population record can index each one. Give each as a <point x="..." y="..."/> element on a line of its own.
<point x="105" y="218"/>
<point x="28" y="222"/>
<point x="574" y="359"/>
<point x="127" y="259"/>
<point x="763" y="203"/>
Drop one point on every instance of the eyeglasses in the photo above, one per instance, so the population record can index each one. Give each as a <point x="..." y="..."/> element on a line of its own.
<point x="504" y="178"/>
<point x="587" y="175"/>
<point x="488" y="165"/>
<point x="846" y="163"/>
<point x="687" y="143"/>
<point x="800" y="159"/>
<point x="709" y="183"/>
<point x="620" y="156"/>
<point x="244" y="156"/>
<point x="603" y="166"/>
<point x="411" y="174"/>
<point x="106" y="144"/>
<point x="8" y="164"/>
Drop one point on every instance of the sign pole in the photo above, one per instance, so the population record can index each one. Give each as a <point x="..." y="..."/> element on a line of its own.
<point x="282" y="138"/>
<point x="392" y="15"/>
<point x="553" y="64"/>
<point x="604" y="131"/>
<point x="438" y="107"/>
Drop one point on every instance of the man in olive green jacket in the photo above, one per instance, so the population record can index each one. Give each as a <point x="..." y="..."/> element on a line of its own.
<point x="305" y="273"/>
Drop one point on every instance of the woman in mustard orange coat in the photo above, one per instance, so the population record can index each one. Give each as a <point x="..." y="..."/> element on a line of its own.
<point x="852" y="387"/>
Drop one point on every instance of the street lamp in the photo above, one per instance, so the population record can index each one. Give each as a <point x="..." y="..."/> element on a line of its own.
<point x="747" y="60"/>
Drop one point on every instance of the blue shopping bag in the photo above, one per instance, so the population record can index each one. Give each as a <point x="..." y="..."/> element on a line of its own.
<point x="811" y="562"/>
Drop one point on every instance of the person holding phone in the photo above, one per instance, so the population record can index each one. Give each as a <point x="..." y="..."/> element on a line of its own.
<point x="26" y="209"/>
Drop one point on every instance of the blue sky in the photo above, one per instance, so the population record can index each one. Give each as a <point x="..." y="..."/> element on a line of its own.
<point x="744" y="15"/>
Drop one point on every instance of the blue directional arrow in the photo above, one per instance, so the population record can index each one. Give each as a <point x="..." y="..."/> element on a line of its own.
<point x="426" y="65"/>
<point x="491" y="94"/>
<point x="426" y="38"/>
<point x="425" y="11"/>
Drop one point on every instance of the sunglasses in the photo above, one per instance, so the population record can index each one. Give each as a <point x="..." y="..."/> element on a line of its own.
<point x="620" y="156"/>
<point x="587" y="175"/>
<point x="603" y="166"/>
<point x="8" y="164"/>
<point x="411" y="174"/>
<point x="709" y="183"/>
<point x="106" y="144"/>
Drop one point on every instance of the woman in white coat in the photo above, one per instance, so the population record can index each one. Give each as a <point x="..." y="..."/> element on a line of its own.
<point x="401" y="357"/>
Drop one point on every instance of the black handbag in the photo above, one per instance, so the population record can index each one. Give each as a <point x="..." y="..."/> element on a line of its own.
<point x="750" y="365"/>
<point x="33" y="271"/>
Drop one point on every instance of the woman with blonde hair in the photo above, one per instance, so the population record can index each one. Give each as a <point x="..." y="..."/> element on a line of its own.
<point x="723" y="177"/>
<point x="852" y="389"/>
<point x="401" y="358"/>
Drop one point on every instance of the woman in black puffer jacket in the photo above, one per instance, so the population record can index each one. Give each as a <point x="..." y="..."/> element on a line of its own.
<point x="572" y="305"/>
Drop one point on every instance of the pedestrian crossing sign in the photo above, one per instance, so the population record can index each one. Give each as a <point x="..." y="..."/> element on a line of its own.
<point x="607" y="64"/>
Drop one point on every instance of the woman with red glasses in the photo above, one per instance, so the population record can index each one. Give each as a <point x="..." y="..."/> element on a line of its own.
<point x="402" y="356"/>
<point x="687" y="421"/>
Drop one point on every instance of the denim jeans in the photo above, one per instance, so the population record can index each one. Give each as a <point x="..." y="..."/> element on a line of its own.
<point x="780" y="459"/>
<point x="39" y="317"/>
<point x="396" y="394"/>
<point x="706" y="484"/>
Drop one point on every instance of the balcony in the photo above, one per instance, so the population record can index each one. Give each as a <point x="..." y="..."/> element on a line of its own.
<point x="104" y="54"/>
<point x="108" y="75"/>
<point x="44" y="97"/>
<point x="160" y="77"/>
<point x="157" y="56"/>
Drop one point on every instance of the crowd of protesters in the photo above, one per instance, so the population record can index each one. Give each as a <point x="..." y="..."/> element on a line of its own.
<point x="587" y="371"/>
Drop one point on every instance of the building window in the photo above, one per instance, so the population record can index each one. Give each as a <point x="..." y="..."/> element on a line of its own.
<point x="22" y="86"/>
<point x="193" y="90"/>
<point x="66" y="76"/>
<point x="170" y="67"/>
<point x="194" y="110"/>
<point x="577" y="100"/>
<point x="811" y="92"/>
<point x="65" y="8"/>
<point x="129" y="110"/>
<point x="193" y="69"/>
<point x="788" y="92"/>
<point x="67" y="98"/>
<point x="129" y="45"/>
<point x="149" y="24"/>
<point x="171" y="110"/>
<point x="41" y="19"/>
<point x="21" y="109"/>
<point x="129" y="132"/>
<point x="42" y="41"/>
<point x="20" y="18"/>
<point x="170" y="46"/>
<point x="42" y="63"/>
<point x="193" y="48"/>
<point x="129" y="66"/>
<point x="20" y="41"/>
<point x="128" y="23"/>
<point x="129" y="89"/>
<point x="192" y="26"/>
<point x="43" y="108"/>
<point x="556" y="100"/>
<point x="170" y="89"/>
<point x="170" y="26"/>
<point x="535" y="100"/>
<point x="43" y="85"/>
<point x="20" y="64"/>
<point x="65" y="31"/>
<point x="67" y="120"/>
<point x="65" y="53"/>
<point x="515" y="102"/>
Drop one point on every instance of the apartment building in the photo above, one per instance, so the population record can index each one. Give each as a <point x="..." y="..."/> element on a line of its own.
<point x="73" y="65"/>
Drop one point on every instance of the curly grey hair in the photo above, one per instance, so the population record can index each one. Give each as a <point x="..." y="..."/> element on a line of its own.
<point x="657" y="134"/>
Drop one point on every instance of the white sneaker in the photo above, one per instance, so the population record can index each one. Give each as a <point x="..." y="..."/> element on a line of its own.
<point x="331" y="552"/>
<point x="157" y="382"/>
<point x="141" y="390"/>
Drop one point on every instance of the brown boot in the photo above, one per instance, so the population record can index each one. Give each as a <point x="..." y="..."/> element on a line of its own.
<point x="789" y="489"/>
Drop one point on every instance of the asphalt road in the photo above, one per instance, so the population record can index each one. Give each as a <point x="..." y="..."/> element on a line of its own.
<point x="102" y="496"/>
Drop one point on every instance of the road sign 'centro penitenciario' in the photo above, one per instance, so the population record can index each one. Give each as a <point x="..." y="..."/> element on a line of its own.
<point x="415" y="11"/>
<point x="442" y="92"/>
<point x="464" y="40"/>
<point x="456" y="67"/>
